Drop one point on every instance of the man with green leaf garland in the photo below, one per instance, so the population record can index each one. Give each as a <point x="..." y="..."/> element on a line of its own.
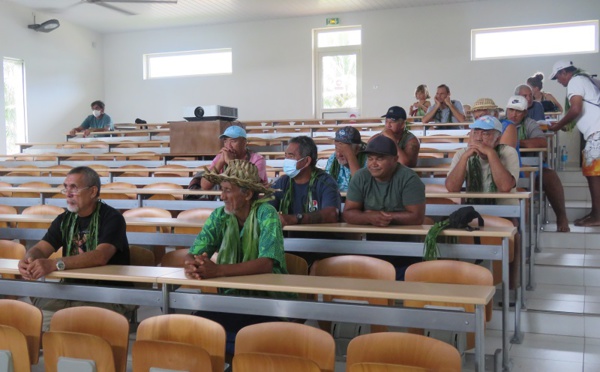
<point x="486" y="165"/>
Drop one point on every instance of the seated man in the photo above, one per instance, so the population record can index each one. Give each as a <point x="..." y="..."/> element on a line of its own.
<point x="445" y="110"/>
<point x="97" y="122"/>
<point x="486" y="165"/>
<point x="487" y="106"/>
<point x="407" y="145"/>
<point x="385" y="193"/>
<point x="91" y="234"/>
<point x="346" y="159"/>
<point x="535" y="110"/>
<point x="247" y="235"/>
<point x="305" y="194"/>
<point x="531" y="136"/>
<point x="234" y="147"/>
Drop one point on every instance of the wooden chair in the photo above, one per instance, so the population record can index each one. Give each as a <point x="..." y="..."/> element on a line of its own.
<point x="77" y="345"/>
<point x="117" y="185"/>
<point x="95" y="145"/>
<point x="56" y="170"/>
<point x="108" y="325"/>
<point x="449" y="272"/>
<point x="24" y="173"/>
<point x="185" y="171"/>
<point x="404" y="349"/>
<point x="196" y="214"/>
<point x="27" y="319"/>
<point x="296" y="265"/>
<point x="251" y="362"/>
<point x="159" y="251"/>
<point x="385" y="367"/>
<point x="7" y="209"/>
<point x="175" y="356"/>
<point x="38" y="185"/>
<point x="125" y="169"/>
<point x="187" y="329"/>
<point x="12" y="340"/>
<point x="127" y="144"/>
<point x="76" y="156"/>
<point x="56" y="254"/>
<point x="102" y="170"/>
<point x="48" y="156"/>
<point x="355" y="266"/>
<point x="144" y="155"/>
<point x="288" y="339"/>
<point x="44" y="210"/>
<point x="5" y="193"/>
<point x="439" y="189"/>
<point x="176" y="258"/>
<point x="164" y="186"/>
<point x="12" y="250"/>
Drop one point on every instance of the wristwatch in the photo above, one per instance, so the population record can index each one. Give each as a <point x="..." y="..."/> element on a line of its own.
<point x="60" y="265"/>
<point x="299" y="217"/>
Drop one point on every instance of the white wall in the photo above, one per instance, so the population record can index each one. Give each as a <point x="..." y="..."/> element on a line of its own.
<point x="272" y="65"/>
<point x="64" y="72"/>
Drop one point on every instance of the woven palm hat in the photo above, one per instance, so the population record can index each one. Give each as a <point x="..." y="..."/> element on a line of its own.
<point x="242" y="173"/>
<point x="484" y="104"/>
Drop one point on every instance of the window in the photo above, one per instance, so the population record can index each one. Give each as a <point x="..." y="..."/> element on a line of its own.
<point x="14" y="103"/>
<point x="191" y="63"/>
<point x="338" y="71"/>
<point x="535" y="40"/>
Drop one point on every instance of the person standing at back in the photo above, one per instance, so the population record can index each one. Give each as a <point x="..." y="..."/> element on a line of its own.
<point x="583" y="107"/>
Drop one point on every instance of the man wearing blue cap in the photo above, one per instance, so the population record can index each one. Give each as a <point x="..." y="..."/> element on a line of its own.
<point x="346" y="159"/>
<point x="234" y="147"/>
<point x="486" y="165"/>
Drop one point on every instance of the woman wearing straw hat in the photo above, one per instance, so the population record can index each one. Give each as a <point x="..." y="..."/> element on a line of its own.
<point x="246" y="233"/>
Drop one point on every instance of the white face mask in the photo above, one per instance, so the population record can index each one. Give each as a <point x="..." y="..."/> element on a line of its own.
<point x="96" y="113"/>
<point x="289" y="167"/>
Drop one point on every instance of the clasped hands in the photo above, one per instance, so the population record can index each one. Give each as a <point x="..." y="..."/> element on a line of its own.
<point x="201" y="267"/>
<point x="33" y="269"/>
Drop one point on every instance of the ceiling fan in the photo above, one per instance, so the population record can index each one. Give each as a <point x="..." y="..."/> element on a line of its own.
<point x="107" y="4"/>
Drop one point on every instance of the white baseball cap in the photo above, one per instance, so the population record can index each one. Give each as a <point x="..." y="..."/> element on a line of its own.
<point x="560" y="65"/>
<point x="518" y="103"/>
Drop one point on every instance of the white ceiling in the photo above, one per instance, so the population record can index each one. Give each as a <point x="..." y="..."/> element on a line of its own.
<point x="198" y="12"/>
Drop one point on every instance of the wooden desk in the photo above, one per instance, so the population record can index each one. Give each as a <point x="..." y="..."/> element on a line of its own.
<point x="350" y="312"/>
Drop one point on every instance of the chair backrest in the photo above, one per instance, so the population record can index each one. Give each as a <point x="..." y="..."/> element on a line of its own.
<point x="124" y="168"/>
<point x="140" y="256"/>
<point x="107" y="324"/>
<point x="200" y="214"/>
<point x="56" y="170"/>
<point x="169" y="355"/>
<point x="185" y="171"/>
<point x="77" y="345"/>
<point x="403" y="348"/>
<point x="291" y="339"/>
<point x="147" y="212"/>
<point x="44" y="209"/>
<point x="27" y="319"/>
<point x="495" y="221"/>
<point x="13" y="250"/>
<point x="174" y="258"/>
<point x="26" y="194"/>
<point x="117" y="185"/>
<point x="251" y="362"/>
<point x="295" y="264"/>
<point x="101" y="169"/>
<point x="164" y="186"/>
<point x="385" y="367"/>
<point x="5" y="193"/>
<point x="450" y="272"/>
<point x="11" y="339"/>
<point x="187" y="329"/>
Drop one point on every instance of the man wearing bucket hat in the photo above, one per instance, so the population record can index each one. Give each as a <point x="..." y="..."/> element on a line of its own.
<point x="247" y="235"/>
<point x="487" y="106"/>
<point x="234" y="147"/>
<point x="346" y="159"/>
<point x="531" y="136"/>
<point x="407" y="144"/>
<point x="583" y="106"/>
<point x="486" y="165"/>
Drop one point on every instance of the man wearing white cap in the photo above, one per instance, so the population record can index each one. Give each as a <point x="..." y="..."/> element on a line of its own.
<point x="583" y="107"/>
<point x="486" y="165"/>
<point x="531" y="136"/>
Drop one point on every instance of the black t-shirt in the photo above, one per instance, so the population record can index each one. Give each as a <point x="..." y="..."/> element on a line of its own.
<point x="112" y="230"/>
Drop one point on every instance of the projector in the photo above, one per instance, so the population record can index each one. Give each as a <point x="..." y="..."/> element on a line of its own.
<point x="210" y="112"/>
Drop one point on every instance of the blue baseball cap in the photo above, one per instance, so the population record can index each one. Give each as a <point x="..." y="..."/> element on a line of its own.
<point x="233" y="132"/>
<point x="487" y="122"/>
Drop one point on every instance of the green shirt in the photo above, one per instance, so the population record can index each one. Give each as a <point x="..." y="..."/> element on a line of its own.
<point x="404" y="188"/>
<point x="270" y="243"/>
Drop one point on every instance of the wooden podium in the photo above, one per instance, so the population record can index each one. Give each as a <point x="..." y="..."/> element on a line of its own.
<point x="197" y="137"/>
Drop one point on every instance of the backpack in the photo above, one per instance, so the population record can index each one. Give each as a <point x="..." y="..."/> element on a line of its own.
<point x="459" y="219"/>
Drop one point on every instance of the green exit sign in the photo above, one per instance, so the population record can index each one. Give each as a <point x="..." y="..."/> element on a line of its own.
<point x="333" y="21"/>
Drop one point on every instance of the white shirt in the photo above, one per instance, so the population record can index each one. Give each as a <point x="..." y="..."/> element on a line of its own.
<point x="588" y="122"/>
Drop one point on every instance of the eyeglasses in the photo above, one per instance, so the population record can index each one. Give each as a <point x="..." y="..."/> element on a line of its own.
<point x="484" y="133"/>
<point x="73" y="190"/>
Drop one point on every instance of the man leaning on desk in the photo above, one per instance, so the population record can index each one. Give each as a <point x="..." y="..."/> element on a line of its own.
<point x="385" y="193"/>
<point x="97" y="122"/>
<point x="246" y="233"/>
<point x="91" y="234"/>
